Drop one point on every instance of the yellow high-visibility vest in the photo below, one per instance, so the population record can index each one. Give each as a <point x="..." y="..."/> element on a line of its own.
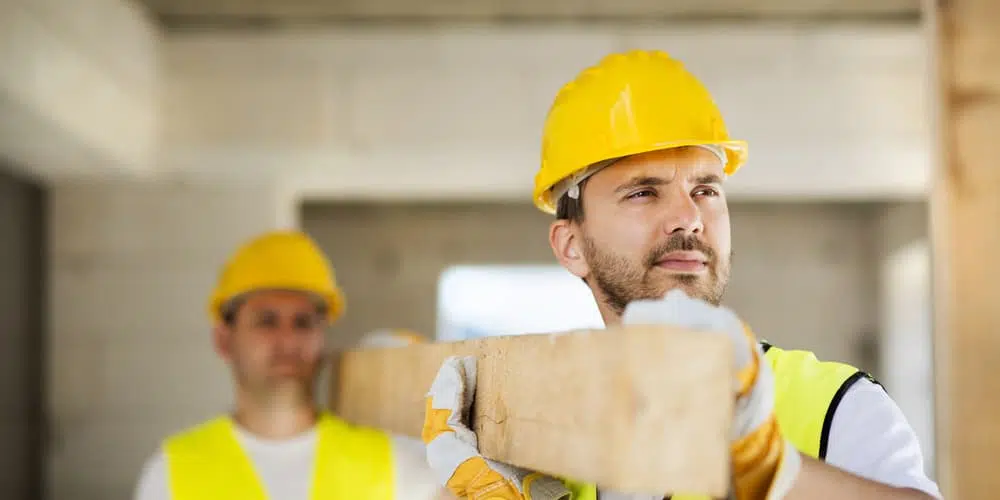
<point x="208" y="463"/>
<point x="806" y="394"/>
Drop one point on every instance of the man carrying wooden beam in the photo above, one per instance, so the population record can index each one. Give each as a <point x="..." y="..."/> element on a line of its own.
<point x="634" y="158"/>
<point x="271" y="306"/>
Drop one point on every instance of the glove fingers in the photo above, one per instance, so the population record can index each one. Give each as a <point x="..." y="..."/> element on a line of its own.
<point x="454" y="386"/>
<point x="447" y="403"/>
<point x="446" y="453"/>
<point x="452" y="447"/>
<point x="678" y="309"/>
<point x="477" y="480"/>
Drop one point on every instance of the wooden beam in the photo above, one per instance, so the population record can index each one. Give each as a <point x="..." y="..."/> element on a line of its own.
<point x="642" y="409"/>
<point x="966" y="234"/>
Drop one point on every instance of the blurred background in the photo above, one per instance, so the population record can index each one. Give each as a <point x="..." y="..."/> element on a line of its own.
<point x="141" y="141"/>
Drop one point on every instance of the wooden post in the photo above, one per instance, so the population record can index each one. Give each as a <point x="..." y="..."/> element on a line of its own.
<point x="640" y="409"/>
<point x="965" y="205"/>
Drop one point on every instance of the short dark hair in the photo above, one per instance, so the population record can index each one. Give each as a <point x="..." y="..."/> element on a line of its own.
<point x="231" y="309"/>
<point x="571" y="209"/>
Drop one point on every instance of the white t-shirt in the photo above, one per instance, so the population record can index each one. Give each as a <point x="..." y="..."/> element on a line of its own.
<point x="869" y="437"/>
<point x="285" y="468"/>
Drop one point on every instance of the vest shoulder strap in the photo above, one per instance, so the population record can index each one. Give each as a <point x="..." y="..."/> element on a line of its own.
<point x="807" y="393"/>
<point x="352" y="462"/>
<point x="206" y="461"/>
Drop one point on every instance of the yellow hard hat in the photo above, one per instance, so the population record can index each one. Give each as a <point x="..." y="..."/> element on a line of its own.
<point x="391" y="337"/>
<point x="629" y="103"/>
<point x="278" y="260"/>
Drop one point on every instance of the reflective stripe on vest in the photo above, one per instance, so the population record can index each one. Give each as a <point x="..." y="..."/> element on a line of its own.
<point x="806" y="394"/>
<point x="207" y="462"/>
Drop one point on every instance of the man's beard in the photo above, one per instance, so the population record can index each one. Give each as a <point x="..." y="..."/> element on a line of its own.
<point x="264" y="384"/>
<point x="623" y="281"/>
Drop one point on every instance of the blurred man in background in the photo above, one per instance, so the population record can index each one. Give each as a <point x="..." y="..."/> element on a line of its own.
<point x="271" y="306"/>
<point x="634" y="156"/>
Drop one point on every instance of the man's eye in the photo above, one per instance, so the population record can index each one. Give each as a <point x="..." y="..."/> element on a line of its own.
<point x="642" y="194"/>
<point x="305" y="322"/>
<point x="706" y="191"/>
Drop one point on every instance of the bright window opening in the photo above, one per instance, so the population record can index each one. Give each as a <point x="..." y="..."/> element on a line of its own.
<point x="485" y="301"/>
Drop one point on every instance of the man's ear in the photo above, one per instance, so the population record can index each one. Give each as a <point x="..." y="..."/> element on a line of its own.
<point x="566" y="244"/>
<point x="222" y="340"/>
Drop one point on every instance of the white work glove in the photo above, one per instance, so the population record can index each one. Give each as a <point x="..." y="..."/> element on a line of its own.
<point x="765" y="464"/>
<point x="453" y="450"/>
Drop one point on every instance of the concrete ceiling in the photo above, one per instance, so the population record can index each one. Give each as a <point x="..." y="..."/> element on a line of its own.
<point x="181" y="13"/>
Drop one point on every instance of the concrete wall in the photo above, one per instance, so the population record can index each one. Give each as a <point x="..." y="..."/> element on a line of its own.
<point x="130" y="359"/>
<point x="22" y="336"/>
<point x="815" y="259"/>
<point x="390" y="257"/>
<point x="79" y="90"/>
<point x="456" y="111"/>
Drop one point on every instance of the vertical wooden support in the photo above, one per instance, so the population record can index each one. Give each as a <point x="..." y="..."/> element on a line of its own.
<point x="965" y="205"/>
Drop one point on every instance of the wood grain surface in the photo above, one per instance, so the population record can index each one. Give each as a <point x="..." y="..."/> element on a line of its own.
<point x="643" y="409"/>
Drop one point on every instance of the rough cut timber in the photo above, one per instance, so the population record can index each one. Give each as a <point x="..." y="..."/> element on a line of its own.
<point x="966" y="232"/>
<point x="637" y="409"/>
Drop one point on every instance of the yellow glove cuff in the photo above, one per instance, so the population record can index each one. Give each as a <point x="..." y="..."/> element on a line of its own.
<point x="765" y="465"/>
<point x="757" y="459"/>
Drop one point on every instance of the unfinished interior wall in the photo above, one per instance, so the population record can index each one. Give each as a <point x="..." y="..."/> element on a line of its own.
<point x="80" y="87"/>
<point x="22" y="336"/>
<point x="802" y="272"/>
<point x="130" y="355"/>
<point x="389" y="257"/>
<point x="454" y="110"/>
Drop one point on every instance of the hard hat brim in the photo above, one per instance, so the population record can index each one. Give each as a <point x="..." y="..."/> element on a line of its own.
<point x="736" y="154"/>
<point x="333" y="300"/>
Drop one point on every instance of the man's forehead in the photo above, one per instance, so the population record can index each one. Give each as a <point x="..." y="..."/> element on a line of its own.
<point x="267" y="299"/>
<point x="689" y="163"/>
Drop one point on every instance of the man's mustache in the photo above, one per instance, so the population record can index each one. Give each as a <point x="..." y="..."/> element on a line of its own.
<point x="680" y="243"/>
<point x="287" y="358"/>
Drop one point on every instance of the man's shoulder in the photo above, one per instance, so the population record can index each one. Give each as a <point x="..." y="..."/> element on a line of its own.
<point x="153" y="481"/>
<point x="867" y="404"/>
<point x="406" y="444"/>
<point x="870" y="436"/>
<point x="365" y="443"/>
<point x="863" y="429"/>
<point x="406" y="449"/>
<point x="194" y="435"/>
<point x="796" y="366"/>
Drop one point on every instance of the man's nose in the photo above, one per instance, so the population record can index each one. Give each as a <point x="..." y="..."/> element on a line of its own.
<point x="287" y="333"/>
<point x="683" y="215"/>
